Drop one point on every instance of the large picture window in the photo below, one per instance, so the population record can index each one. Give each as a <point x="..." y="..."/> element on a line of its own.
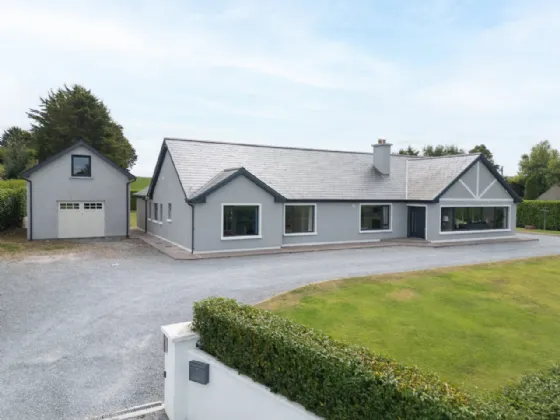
<point x="375" y="217"/>
<point x="299" y="219"/>
<point x="465" y="219"/>
<point x="241" y="221"/>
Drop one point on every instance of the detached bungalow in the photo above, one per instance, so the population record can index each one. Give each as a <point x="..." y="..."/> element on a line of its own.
<point x="213" y="197"/>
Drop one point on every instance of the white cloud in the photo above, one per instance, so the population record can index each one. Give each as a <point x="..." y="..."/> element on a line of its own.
<point x="255" y="72"/>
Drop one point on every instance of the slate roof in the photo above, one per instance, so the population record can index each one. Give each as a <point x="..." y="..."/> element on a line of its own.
<point x="312" y="174"/>
<point x="427" y="177"/>
<point x="142" y="193"/>
<point x="553" y="193"/>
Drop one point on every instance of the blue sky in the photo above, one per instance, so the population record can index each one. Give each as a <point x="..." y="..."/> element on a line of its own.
<point x="327" y="74"/>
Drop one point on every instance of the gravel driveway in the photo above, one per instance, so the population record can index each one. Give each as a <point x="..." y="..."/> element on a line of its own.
<point x="79" y="333"/>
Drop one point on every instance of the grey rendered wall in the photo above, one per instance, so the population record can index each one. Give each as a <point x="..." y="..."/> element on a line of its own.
<point x="339" y="222"/>
<point x="140" y="213"/>
<point x="434" y="222"/>
<point x="208" y="218"/>
<point x="53" y="183"/>
<point x="168" y="190"/>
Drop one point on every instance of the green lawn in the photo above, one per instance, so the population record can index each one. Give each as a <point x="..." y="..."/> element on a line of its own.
<point x="477" y="326"/>
<point x="132" y="219"/>
<point x="544" y="232"/>
<point x="140" y="183"/>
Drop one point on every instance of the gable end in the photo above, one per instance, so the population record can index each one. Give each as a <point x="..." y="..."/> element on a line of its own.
<point x="201" y="198"/>
<point x="498" y="177"/>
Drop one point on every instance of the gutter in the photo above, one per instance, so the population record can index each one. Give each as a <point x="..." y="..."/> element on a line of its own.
<point x="146" y="214"/>
<point x="30" y="212"/>
<point x="192" y="226"/>
<point x="128" y="209"/>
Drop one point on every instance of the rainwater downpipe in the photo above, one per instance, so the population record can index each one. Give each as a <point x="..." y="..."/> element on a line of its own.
<point x="30" y="212"/>
<point x="192" y="227"/>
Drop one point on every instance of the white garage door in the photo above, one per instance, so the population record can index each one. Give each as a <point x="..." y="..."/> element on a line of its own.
<point x="85" y="219"/>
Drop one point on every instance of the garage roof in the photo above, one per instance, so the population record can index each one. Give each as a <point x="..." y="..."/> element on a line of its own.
<point x="79" y="143"/>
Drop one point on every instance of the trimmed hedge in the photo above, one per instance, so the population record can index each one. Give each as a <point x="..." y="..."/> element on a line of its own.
<point x="530" y="212"/>
<point x="536" y="396"/>
<point x="12" y="207"/>
<point x="327" y="377"/>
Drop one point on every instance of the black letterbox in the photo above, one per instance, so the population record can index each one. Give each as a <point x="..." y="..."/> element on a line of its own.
<point x="199" y="372"/>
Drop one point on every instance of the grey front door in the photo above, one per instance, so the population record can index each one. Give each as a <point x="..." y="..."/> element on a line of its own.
<point x="417" y="222"/>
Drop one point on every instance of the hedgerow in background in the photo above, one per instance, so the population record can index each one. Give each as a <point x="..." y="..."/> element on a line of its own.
<point x="531" y="213"/>
<point x="327" y="377"/>
<point x="12" y="207"/>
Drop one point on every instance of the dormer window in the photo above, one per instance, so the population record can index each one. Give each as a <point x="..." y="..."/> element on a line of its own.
<point x="81" y="165"/>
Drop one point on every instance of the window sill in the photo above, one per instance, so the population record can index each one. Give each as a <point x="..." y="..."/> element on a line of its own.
<point x="466" y="232"/>
<point x="88" y="178"/>
<point x="301" y="234"/>
<point x="377" y="231"/>
<point x="168" y="220"/>
<point x="234" y="238"/>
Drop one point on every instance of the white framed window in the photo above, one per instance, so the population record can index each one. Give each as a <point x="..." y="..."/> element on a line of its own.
<point x="160" y="213"/>
<point x="156" y="214"/>
<point x="69" y="206"/>
<point x="241" y="221"/>
<point x="149" y="210"/>
<point x="300" y="219"/>
<point x="474" y="219"/>
<point x="375" y="217"/>
<point x="93" y="206"/>
<point x="169" y="214"/>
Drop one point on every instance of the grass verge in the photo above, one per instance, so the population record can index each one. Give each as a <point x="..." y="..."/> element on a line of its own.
<point x="538" y="231"/>
<point x="14" y="241"/>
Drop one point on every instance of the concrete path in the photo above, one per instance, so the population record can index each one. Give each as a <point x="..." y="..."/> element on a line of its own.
<point x="79" y="334"/>
<point x="178" y="253"/>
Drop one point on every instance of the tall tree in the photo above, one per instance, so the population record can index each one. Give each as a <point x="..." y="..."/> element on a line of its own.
<point x="15" y="151"/>
<point x="543" y="164"/>
<point x="17" y="159"/>
<point x="411" y="151"/>
<point x="534" y="186"/>
<point x="14" y="135"/>
<point x="481" y="148"/>
<point x="442" y="150"/>
<point x="517" y="183"/>
<point x="74" y="112"/>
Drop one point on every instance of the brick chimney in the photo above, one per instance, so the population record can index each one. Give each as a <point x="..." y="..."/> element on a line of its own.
<point x="382" y="156"/>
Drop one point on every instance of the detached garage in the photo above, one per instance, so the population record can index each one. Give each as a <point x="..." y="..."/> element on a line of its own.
<point x="77" y="193"/>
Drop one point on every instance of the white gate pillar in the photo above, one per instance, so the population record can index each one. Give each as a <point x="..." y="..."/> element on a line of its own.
<point x="178" y="340"/>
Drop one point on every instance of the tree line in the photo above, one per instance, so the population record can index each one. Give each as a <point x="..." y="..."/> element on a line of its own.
<point x="537" y="170"/>
<point x="63" y="117"/>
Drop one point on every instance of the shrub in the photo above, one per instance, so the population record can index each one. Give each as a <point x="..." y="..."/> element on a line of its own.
<point x="12" y="207"/>
<point x="133" y="200"/>
<point x="536" y="396"/>
<point x="327" y="377"/>
<point x="531" y="213"/>
<point x="12" y="183"/>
